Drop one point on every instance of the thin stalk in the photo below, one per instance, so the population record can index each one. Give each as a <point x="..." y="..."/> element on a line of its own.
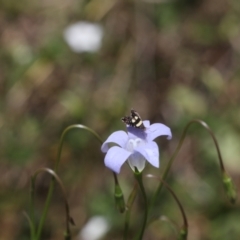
<point x="50" y="191"/>
<point x="51" y="188"/>
<point x="138" y="176"/>
<point x="185" y="222"/>
<point x="68" y="218"/>
<point x="172" y="224"/>
<point x="130" y="202"/>
<point x="118" y="195"/>
<point x="45" y="210"/>
<point x="203" y="124"/>
<point x="32" y="229"/>
<point x="32" y="214"/>
<point x="74" y="126"/>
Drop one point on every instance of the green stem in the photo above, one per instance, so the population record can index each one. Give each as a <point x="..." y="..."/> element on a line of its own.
<point x="184" y="229"/>
<point x="130" y="202"/>
<point x="55" y="177"/>
<point x="32" y="228"/>
<point x="118" y="195"/>
<point x="74" y="126"/>
<point x="203" y="124"/>
<point x="138" y="176"/>
<point x="51" y="188"/>
<point x="32" y="215"/>
<point x="50" y="191"/>
<point x="45" y="210"/>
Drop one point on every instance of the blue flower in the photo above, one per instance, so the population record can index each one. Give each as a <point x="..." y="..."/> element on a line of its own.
<point x="136" y="146"/>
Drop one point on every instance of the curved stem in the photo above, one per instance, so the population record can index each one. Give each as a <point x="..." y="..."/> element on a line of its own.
<point x="32" y="228"/>
<point x="68" y="218"/>
<point x="74" y="126"/>
<point x="172" y="224"/>
<point x="46" y="207"/>
<point x="203" y="124"/>
<point x="138" y="176"/>
<point x="50" y="191"/>
<point x="185" y="222"/>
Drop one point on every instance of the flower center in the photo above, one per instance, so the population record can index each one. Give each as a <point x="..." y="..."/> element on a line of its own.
<point x="135" y="159"/>
<point x="133" y="143"/>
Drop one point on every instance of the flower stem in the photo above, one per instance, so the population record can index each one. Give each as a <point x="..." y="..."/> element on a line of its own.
<point x="118" y="195"/>
<point x="31" y="225"/>
<point x="184" y="229"/>
<point x="51" y="188"/>
<point x="68" y="218"/>
<point x="203" y="124"/>
<point x="130" y="202"/>
<point x="74" y="126"/>
<point x="45" y="210"/>
<point x="138" y="176"/>
<point x="32" y="215"/>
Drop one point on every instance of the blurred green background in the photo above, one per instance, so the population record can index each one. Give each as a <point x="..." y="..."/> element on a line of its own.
<point x="171" y="60"/>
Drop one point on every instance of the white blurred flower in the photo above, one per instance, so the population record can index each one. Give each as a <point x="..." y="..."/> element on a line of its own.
<point x="94" y="229"/>
<point x="84" y="36"/>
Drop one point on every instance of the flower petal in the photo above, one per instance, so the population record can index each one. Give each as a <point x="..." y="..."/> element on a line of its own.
<point x="158" y="129"/>
<point x="146" y="123"/>
<point x="136" y="133"/>
<point x="150" y="152"/>
<point x="137" y="160"/>
<point x="115" y="158"/>
<point x="119" y="137"/>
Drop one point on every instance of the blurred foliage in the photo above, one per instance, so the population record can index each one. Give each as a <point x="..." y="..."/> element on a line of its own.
<point x="171" y="60"/>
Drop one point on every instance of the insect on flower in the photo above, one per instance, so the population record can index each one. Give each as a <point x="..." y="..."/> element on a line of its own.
<point x="134" y="120"/>
<point x="136" y="146"/>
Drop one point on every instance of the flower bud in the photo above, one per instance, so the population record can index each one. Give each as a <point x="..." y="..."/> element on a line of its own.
<point x="183" y="234"/>
<point x="119" y="199"/>
<point x="229" y="188"/>
<point x="67" y="236"/>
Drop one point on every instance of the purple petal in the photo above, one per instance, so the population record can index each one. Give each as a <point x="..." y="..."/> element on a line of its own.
<point x="146" y="123"/>
<point x="119" y="137"/>
<point x="115" y="158"/>
<point x="158" y="129"/>
<point x="137" y="132"/>
<point x="150" y="152"/>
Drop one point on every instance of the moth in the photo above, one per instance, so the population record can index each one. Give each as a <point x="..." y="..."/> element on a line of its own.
<point x="134" y="120"/>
